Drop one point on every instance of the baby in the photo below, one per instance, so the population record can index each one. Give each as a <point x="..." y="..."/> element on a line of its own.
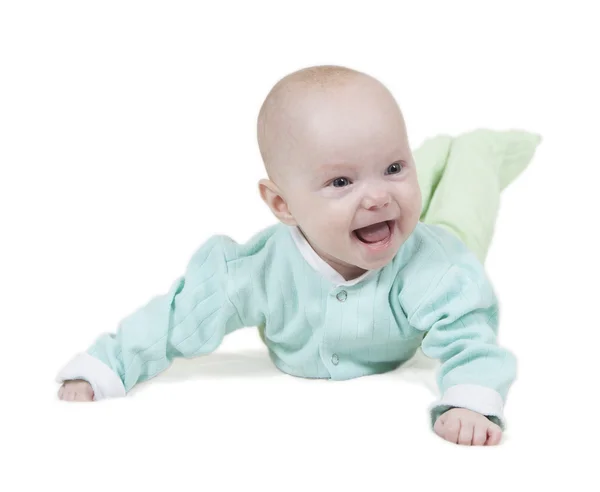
<point x="348" y="283"/>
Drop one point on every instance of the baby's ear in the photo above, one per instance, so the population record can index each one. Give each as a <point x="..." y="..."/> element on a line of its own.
<point x="273" y="197"/>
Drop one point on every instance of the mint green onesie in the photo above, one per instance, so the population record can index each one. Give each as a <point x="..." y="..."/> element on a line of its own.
<point x="317" y="325"/>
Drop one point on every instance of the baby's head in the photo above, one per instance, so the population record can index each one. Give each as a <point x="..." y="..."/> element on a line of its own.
<point x="335" y="148"/>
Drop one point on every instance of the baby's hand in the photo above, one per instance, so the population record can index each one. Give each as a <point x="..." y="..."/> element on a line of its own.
<point x="76" y="390"/>
<point x="462" y="426"/>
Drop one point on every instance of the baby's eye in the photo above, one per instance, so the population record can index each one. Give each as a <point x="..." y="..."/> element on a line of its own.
<point x="395" y="168"/>
<point x="340" y="182"/>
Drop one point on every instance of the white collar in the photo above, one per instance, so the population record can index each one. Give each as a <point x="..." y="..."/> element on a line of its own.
<point x="319" y="264"/>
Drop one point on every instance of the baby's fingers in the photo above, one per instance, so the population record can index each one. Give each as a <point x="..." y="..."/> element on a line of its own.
<point x="68" y="395"/>
<point x="494" y="435"/>
<point x="438" y="427"/>
<point x="466" y="433"/>
<point x="480" y="435"/>
<point x="451" y="430"/>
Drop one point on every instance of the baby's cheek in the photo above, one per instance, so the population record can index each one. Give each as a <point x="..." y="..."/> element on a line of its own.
<point x="411" y="201"/>
<point x="317" y="225"/>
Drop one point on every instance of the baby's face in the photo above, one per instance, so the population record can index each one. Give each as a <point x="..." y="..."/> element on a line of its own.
<point x="351" y="183"/>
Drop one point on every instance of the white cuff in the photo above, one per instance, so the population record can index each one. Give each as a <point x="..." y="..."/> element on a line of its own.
<point x="473" y="397"/>
<point x="104" y="381"/>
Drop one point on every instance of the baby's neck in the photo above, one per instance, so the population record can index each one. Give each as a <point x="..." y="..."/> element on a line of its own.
<point x="349" y="272"/>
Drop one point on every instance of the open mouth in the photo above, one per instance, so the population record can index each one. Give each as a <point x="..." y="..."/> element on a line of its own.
<point x="376" y="234"/>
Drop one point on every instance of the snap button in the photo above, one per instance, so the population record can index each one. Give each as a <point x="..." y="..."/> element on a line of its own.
<point x="342" y="296"/>
<point x="335" y="359"/>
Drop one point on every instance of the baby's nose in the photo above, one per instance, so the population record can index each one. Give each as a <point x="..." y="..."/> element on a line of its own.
<point x="375" y="200"/>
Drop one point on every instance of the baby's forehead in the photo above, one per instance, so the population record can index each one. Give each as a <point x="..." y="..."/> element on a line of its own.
<point x="344" y="148"/>
<point x="310" y="125"/>
<point x="351" y="137"/>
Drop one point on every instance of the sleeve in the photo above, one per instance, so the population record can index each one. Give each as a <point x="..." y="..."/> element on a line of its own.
<point x="191" y="319"/>
<point x="460" y="318"/>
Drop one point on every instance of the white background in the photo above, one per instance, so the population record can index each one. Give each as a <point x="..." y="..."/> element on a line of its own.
<point x="127" y="138"/>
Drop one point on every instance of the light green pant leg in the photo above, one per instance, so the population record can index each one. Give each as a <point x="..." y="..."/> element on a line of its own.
<point x="461" y="180"/>
<point x="430" y="158"/>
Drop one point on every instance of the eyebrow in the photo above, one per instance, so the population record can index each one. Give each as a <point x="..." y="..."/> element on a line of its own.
<point x="336" y="167"/>
<point x="340" y="167"/>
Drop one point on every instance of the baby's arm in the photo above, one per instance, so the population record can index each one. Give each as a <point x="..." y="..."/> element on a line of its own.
<point x="190" y="320"/>
<point x="460" y="317"/>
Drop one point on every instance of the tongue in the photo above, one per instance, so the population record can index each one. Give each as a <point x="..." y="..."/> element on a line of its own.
<point x="374" y="233"/>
